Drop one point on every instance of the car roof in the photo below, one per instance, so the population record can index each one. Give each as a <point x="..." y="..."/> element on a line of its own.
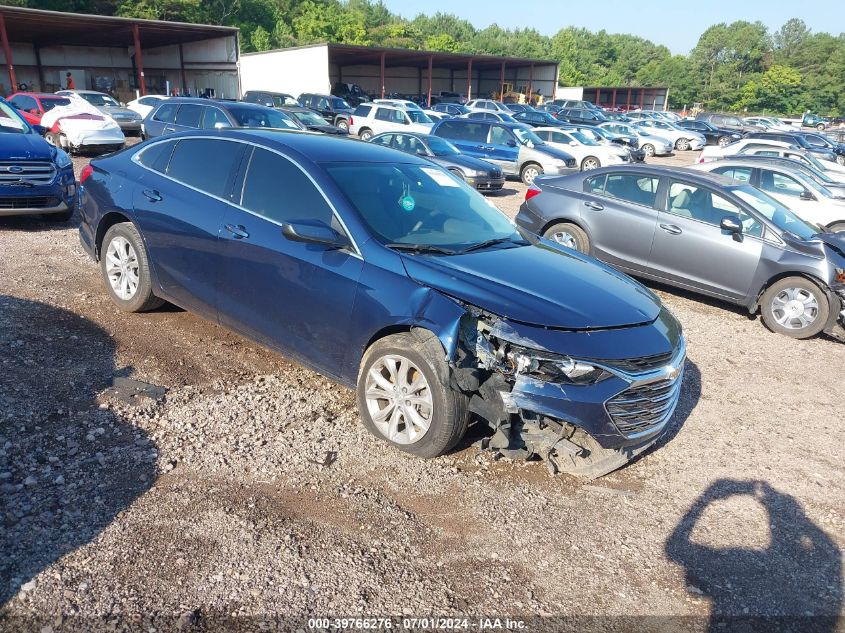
<point x="753" y="161"/>
<point x="38" y="95"/>
<point x="701" y="177"/>
<point x="313" y="147"/>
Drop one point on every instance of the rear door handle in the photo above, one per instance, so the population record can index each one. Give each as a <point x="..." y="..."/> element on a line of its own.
<point x="594" y="205"/>
<point x="167" y="128"/>
<point x="671" y="228"/>
<point x="237" y="230"/>
<point x="152" y="195"/>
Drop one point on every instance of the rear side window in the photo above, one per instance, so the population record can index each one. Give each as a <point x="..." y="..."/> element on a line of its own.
<point x="205" y="164"/>
<point x="462" y="131"/>
<point x="166" y="113"/>
<point x="189" y="115"/>
<point x="156" y="156"/>
<point x="743" y="174"/>
<point x="213" y="116"/>
<point x="636" y="188"/>
<point x="383" y="114"/>
<point x="278" y="190"/>
<point x="362" y="110"/>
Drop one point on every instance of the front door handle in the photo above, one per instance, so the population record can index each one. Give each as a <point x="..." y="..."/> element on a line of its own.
<point x="152" y="195"/>
<point x="596" y="206"/>
<point x="237" y="230"/>
<point x="168" y="128"/>
<point x="671" y="229"/>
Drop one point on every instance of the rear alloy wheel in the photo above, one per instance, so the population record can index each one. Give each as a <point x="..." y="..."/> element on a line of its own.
<point x="724" y="140"/>
<point x="648" y="148"/>
<point x="568" y="235"/>
<point x="343" y="124"/>
<point x="682" y="144"/>
<point x="405" y="397"/>
<point x="365" y="134"/>
<point x="795" y="307"/>
<point x="529" y="172"/>
<point x="820" y="127"/>
<point x="840" y="159"/>
<point x="590" y="162"/>
<point x="126" y="269"/>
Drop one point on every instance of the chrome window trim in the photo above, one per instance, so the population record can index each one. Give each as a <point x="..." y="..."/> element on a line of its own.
<point x="135" y="159"/>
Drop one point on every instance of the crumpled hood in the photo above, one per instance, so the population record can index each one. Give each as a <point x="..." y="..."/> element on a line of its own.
<point x="542" y="285"/>
<point x="25" y="146"/>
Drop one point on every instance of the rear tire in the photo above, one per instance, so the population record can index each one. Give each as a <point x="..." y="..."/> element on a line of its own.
<point x="590" y="162"/>
<point x="840" y="159"/>
<point x="417" y="357"/>
<point x="820" y="127"/>
<point x="366" y="134"/>
<point x="343" y="124"/>
<point x="529" y="172"/>
<point x="122" y="254"/>
<point x="568" y="235"/>
<point x="796" y="307"/>
<point x="724" y="140"/>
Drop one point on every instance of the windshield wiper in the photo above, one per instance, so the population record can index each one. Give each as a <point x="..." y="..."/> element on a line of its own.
<point x="487" y="244"/>
<point x="421" y="248"/>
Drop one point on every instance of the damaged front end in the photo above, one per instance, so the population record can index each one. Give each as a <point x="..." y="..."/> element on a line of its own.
<point x="587" y="413"/>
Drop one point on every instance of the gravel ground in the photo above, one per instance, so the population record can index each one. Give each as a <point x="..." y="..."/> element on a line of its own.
<point x="251" y="490"/>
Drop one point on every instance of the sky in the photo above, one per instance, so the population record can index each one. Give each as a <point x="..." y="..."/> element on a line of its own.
<point x="674" y="23"/>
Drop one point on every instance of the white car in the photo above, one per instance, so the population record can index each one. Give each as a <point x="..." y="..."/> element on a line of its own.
<point x="589" y="153"/>
<point x="714" y="152"/>
<point x="488" y="115"/>
<point x="487" y="104"/>
<point x="79" y="126"/>
<point x="770" y="123"/>
<point x="399" y="103"/>
<point x="832" y="170"/>
<point x="146" y="104"/>
<point x="682" y="138"/>
<point x="804" y="196"/>
<point x="370" y="119"/>
<point x="650" y="143"/>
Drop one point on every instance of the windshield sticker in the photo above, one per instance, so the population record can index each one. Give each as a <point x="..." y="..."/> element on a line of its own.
<point x="441" y="178"/>
<point x="408" y="203"/>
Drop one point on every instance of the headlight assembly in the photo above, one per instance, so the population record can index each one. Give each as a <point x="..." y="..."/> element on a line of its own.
<point x="63" y="160"/>
<point x="549" y="368"/>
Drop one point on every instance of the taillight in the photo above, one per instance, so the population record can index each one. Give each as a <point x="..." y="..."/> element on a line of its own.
<point x="351" y="121"/>
<point x="531" y="192"/>
<point x="86" y="171"/>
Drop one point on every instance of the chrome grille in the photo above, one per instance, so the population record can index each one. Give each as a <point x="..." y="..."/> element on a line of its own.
<point x="644" y="407"/>
<point x="35" y="171"/>
<point x="641" y="364"/>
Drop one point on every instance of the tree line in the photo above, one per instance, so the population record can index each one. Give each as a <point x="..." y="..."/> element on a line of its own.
<point x="741" y="67"/>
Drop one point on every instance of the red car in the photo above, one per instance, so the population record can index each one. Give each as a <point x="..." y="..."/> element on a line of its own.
<point x="33" y="105"/>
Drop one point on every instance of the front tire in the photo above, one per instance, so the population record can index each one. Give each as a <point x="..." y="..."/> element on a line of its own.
<point x="529" y="172"/>
<point x="682" y="144"/>
<point x="796" y="307"/>
<point x="590" y="162"/>
<point x="568" y="235"/>
<point x="126" y="269"/>
<point x="648" y="148"/>
<point x="404" y="395"/>
<point x="366" y="134"/>
<point x="836" y="227"/>
<point x="840" y="159"/>
<point x="724" y="140"/>
<point x="820" y="127"/>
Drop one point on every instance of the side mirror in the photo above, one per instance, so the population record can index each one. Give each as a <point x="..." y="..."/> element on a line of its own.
<point x="731" y="224"/>
<point x="806" y="195"/>
<point x="406" y="122"/>
<point x="421" y="152"/>
<point x="511" y="143"/>
<point x="220" y="125"/>
<point x="314" y="234"/>
<point x="39" y="129"/>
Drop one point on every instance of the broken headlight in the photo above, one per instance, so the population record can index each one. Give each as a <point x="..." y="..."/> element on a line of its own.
<point x="550" y="368"/>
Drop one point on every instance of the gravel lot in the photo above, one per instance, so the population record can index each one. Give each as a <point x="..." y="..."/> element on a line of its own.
<point x="219" y="505"/>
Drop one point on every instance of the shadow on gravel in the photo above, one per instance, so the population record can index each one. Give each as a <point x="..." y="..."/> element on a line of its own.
<point x="67" y="467"/>
<point x="36" y="223"/>
<point x="792" y="584"/>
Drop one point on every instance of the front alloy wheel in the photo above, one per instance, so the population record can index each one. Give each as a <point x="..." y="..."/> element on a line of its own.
<point x="796" y="307"/>
<point x="399" y="399"/>
<point x="724" y="140"/>
<point x="682" y="145"/>
<point x="648" y="148"/>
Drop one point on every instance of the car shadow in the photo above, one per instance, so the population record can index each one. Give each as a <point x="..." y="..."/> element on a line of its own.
<point x="36" y="223"/>
<point x="67" y="467"/>
<point x="792" y="583"/>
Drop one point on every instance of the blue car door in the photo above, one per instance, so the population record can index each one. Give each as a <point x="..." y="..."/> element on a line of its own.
<point x="468" y="136"/>
<point x="503" y="149"/>
<point x="291" y="296"/>
<point x="179" y="203"/>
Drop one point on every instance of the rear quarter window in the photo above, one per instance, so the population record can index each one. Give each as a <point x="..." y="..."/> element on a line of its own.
<point x="166" y="113"/>
<point x="156" y="156"/>
<point x="362" y="111"/>
<point x="189" y="115"/>
<point x="462" y="131"/>
<point x="208" y="165"/>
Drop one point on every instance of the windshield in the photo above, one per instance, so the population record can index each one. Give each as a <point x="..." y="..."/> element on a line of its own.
<point x="418" y="116"/>
<point x="50" y="103"/>
<point x="525" y="136"/>
<point x="340" y="104"/>
<point x="309" y="118"/>
<point x="506" y="118"/>
<point x="420" y="205"/>
<point x="582" y="138"/>
<point x="97" y="99"/>
<point x="11" y="122"/>
<point x="284" y="100"/>
<point x="441" y="147"/>
<point x="776" y="213"/>
<point x="262" y="118"/>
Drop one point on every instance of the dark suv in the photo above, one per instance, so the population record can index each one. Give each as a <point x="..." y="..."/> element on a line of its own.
<point x="582" y="116"/>
<point x="183" y="114"/>
<point x="334" y="110"/>
<point x="728" y="122"/>
<point x="269" y="99"/>
<point x="353" y="94"/>
<point x="796" y="138"/>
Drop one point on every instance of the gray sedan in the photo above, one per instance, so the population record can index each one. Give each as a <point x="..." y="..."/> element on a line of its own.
<point x="701" y="232"/>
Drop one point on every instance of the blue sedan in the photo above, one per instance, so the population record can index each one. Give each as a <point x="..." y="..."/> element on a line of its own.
<point x="393" y="277"/>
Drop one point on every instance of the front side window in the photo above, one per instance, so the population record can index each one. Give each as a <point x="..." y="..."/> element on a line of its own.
<point x="276" y="189"/>
<point x="743" y="174"/>
<point x="500" y="135"/>
<point x="189" y="115"/>
<point x="166" y="113"/>
<point x="636" y="188"/>
<point x="25" y="103"/>
<point x="205" y="164"/>
<point x="775" y="212"/>
<point x="699" y="203"/>
<point x="384" y="139"/>
<point x="774" y="182"/>
<point x="213" y="116"/>
<point x="11" y="122"/>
